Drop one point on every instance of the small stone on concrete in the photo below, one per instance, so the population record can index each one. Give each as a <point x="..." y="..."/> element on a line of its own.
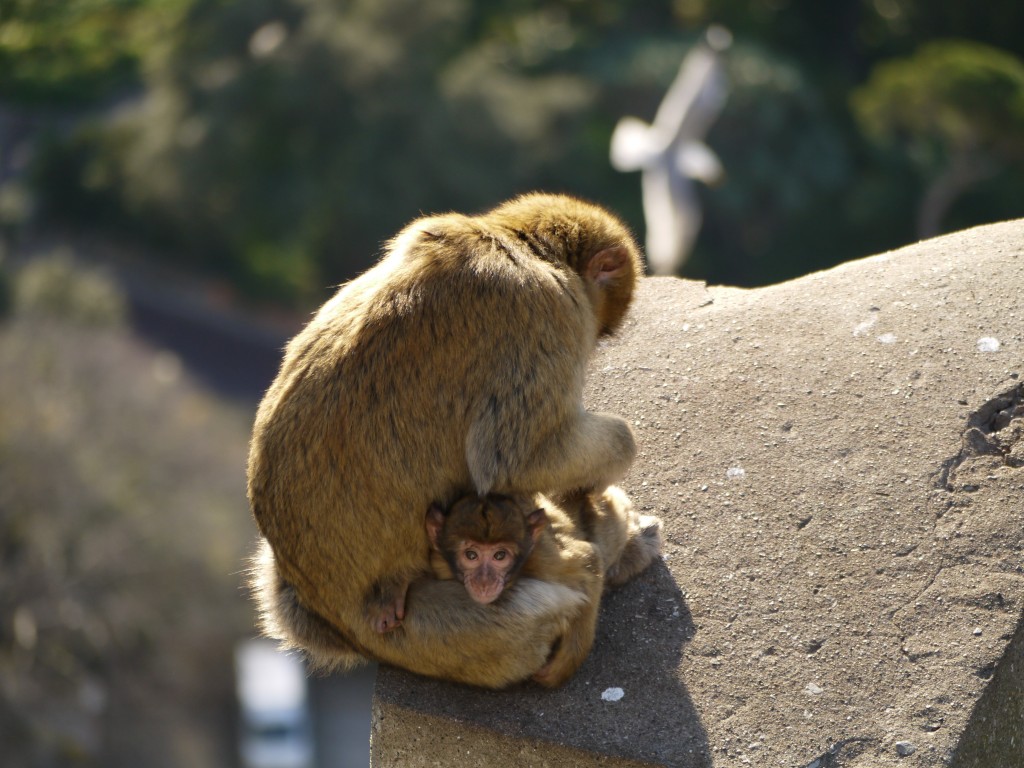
<point x="905" y="748"/>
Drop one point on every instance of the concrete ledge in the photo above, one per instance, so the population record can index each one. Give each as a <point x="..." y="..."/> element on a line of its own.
<point x="839" y="462"/>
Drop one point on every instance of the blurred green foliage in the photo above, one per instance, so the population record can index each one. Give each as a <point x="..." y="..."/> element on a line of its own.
<point x="278" y="143"/>
<point x="957" y="110"/>
<point x="74" y="51"/>
<point x="5" y="285"/>
<point x="53" y="286"/>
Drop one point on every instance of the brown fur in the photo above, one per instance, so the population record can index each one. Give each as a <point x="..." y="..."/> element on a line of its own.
<point x="457" y="362"/>
<point x="591" y="542"/>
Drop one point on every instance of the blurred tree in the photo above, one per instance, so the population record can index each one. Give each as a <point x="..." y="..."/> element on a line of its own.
<point x="73" y="51"/>
<point x="838" y="42"/>
<point x="282" y="140"/>
<point x="957" y="108"/>
<point x="278" y="142"/>
<point x="53" y="285"/>
<point x="118" y="607"/>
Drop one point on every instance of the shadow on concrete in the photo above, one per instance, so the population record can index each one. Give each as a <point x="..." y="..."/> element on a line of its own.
<point x="641" y="633"/>
<point x="995" y="732"/>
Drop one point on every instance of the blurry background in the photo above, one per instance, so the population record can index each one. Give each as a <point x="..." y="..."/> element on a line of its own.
<point x="182" y="181"/>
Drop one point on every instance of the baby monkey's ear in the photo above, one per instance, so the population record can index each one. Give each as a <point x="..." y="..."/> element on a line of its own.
<point x="536" y="521"/>
<point x="435" y="524"/>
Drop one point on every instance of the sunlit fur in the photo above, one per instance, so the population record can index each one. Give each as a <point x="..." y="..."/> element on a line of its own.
<point x="457" y="363"/>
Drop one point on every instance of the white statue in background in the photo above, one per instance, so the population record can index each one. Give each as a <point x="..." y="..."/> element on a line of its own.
<point x="670" y="153"/>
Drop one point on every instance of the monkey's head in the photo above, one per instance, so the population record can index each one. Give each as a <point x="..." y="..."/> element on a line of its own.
<point x="486" y="540"/>
<point x="588" y="239"/>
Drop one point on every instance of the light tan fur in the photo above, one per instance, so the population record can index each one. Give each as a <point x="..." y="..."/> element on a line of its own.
<point x="457" y="362"/>
<point x="629" y="542"/>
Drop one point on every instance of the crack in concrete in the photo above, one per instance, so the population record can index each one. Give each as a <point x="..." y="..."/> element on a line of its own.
<point x="986" y="435"/>
<point x="980" y="438"/>
<point x="904" y="636"/>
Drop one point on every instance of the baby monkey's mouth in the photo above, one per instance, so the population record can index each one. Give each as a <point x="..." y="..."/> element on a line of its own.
<point x="484" y="590"/>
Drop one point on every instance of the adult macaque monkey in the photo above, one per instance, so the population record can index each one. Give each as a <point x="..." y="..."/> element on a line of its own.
<point x="456" y="362"/>
<point x="592" y="541"/>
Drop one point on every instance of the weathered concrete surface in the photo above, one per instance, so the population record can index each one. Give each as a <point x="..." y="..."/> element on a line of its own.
<point x="844" y="567"/>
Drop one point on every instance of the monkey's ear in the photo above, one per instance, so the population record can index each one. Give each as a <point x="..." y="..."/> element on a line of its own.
<point x="435" y="522"/>
<point x="536" y="521"/>
<point x="608" y="266"/>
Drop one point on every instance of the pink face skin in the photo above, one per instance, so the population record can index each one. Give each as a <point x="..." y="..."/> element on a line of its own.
<point x="484" y="568"/>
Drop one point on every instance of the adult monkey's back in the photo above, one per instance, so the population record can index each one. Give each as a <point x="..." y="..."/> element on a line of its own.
<point x="457" y="362"/>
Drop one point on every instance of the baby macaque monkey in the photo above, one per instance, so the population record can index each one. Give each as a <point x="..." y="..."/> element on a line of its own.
<point x="483" y="542"/>
<point x="588" y="542"/>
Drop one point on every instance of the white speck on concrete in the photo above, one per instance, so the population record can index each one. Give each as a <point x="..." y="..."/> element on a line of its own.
<point x="887" y="338"/>
<point x="988" y="344"/>
<point x="813" y="689"/>
<point x="864" y="327"/>
<point x="612" y="694"/>
<point x="736" y="473"/>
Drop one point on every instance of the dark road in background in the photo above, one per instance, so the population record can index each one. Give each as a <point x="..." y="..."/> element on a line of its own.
<point x="231" y="358"/>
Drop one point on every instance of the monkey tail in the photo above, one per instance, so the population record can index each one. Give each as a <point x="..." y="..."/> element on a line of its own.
<point x="283" y="618"/>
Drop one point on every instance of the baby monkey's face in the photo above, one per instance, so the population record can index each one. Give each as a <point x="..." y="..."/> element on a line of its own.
<point x="485" y="540"/>
<point x="486" y="568"/>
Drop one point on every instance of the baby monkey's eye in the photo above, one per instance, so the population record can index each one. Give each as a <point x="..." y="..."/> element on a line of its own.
<point x="470" y="554"/>
<point x="501" y="554"/>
